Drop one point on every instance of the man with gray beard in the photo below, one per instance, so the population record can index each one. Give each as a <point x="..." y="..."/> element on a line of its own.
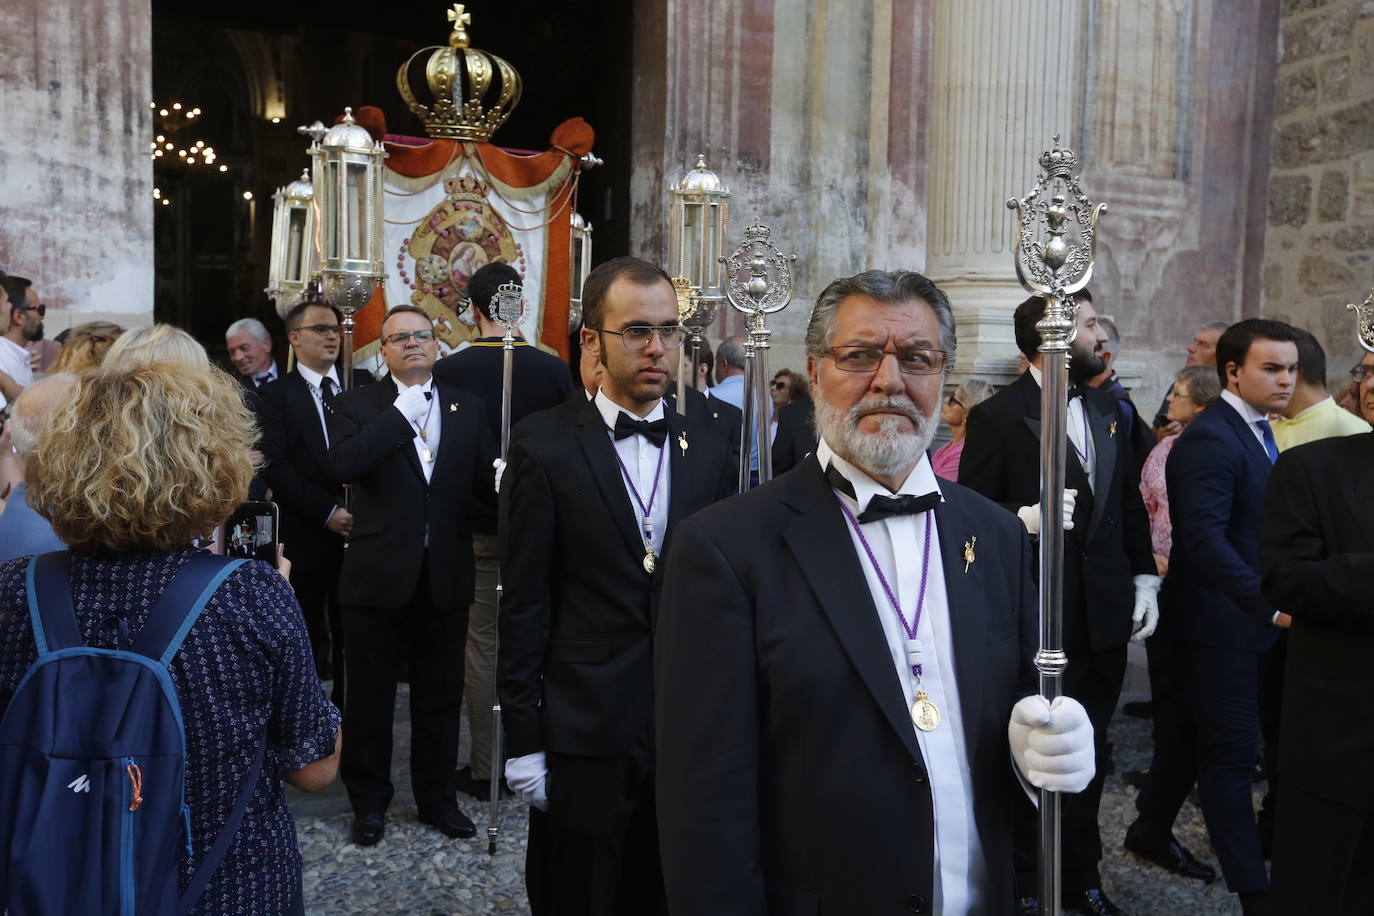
<point x="842" y="656"/>
<point x="1109" y="570"/>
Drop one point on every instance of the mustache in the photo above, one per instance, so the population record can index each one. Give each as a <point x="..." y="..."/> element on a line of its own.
<point x="898" y="404"/>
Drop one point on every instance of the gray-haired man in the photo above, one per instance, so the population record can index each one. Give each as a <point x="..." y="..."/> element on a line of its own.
<point x="250" y="350"/>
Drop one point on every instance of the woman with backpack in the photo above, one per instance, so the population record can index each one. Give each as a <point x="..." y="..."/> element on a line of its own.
<point x="153" y="714"/>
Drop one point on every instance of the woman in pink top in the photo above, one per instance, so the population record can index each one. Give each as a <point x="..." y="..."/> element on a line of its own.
<point x="1194" y="388"/>
<point x="945" y="461"/>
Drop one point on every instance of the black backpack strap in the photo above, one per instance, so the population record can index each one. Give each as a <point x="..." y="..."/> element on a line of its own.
<point x="48" y="582"/>
<point x="206" y="870"/>
<point x="177" y="610"/>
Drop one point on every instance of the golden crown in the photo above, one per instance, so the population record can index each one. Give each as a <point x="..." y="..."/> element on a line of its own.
<point x="460" y="79"/>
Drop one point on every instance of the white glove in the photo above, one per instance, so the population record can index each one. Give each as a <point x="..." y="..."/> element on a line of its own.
<point x="1030" y="515"/>
<point x="500" y="469"/>
<point x="1052" y="743"/>
<point x="1145" y="617"/>
<point x="412" y="404"/>
<point x="527" y="777"/>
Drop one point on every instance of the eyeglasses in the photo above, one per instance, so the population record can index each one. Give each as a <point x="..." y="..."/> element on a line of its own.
<point x="40" y="308"/>
<point x="910" y="360"/>
<point x="400" y="338"/>
<point x="1360" y="373"/>
<point x="637" y="336"/>
<point x="777" y="384"/>
<point x="332" y="330"/>
<point x="953" y="401"/>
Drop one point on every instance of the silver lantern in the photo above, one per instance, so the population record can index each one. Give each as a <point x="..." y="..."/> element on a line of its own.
<point x="580" y="264"/>
<point x="293" y="243"/>
<point x="698" y="218"/>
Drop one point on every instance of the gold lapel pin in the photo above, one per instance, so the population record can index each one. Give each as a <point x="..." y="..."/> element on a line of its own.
<point x="453" y="408"/>
<point x="682" y="443"/>
<point x="968" y="552"/>
<point x="1111" y="430"/>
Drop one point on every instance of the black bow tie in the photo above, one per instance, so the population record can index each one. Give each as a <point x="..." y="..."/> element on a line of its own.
<point x="656" y="432"/>
<point x="881" y="507"/>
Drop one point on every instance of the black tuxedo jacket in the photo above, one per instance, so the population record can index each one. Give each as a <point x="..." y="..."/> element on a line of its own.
<point x="796" y="437"/>
<point x="372" y="447"/>
<point x="538" y="380"/>
<point x="577" y="610"/>
<point x="1110" y="540"/>
<point x="1216" y="474"/>
<point x="721" y="417"/>
<point x="790" y="780"/>
<point x="298" y="469"/>
<point x="1317" y="557"/>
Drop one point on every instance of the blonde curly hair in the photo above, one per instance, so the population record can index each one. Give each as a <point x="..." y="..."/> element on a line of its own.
<point x="143" y="458"/>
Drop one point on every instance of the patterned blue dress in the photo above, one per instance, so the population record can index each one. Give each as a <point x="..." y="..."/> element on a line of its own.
<point x="245" y="670"/>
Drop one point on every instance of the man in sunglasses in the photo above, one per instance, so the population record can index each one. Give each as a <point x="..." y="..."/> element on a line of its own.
<point x="589" y="501"/>
<point x="418" y="455"/>
<point x="26" y="326"/>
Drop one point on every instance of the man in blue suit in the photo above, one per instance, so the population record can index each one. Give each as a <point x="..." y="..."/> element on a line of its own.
<point x="1225" y="634"/>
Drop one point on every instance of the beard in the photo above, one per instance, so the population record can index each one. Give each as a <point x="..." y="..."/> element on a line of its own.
<point x="1085" y="364"/>
<point x="878" y="454"/>
<point x="35" y="335"/>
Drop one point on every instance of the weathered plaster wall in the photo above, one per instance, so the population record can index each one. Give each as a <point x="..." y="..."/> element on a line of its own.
<point x="1319" y="246"/>
<point x="76" y="208"/>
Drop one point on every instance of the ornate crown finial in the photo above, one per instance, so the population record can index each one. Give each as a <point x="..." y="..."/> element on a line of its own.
<point x="757" y="233"/>
<point x="1364" y="329"/>
<point x="460" y="80"/>
<point x="1059" y="162"/>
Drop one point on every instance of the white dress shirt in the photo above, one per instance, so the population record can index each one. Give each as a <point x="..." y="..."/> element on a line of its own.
<point x="431" y="421"/>
<point x="14" y="361"/>
<point x="314" y="380"/>
<point x="1250" y="415"/>
<point x="961" y="878"/>
<point x="641" y="459"/>
<point x="1079" y="434"/>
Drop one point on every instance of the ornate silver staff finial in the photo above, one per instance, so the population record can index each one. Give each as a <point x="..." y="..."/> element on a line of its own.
<point x="758" y="282"/>
<point x="1055" y="247"/>
<point x="508" y="305"/>
<point x="1364" y="313"/>
<point x="314" y="131"/>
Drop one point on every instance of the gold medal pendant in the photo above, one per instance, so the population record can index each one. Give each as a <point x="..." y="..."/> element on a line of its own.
<point x="649" y="563"/>
<point x="426" y="454"/>
<point x="923" y="712"/>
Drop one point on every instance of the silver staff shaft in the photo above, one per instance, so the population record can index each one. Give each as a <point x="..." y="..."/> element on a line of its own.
<point x="763" y="402"/>
<point x="681" y="382"/>
<point x="748" y="406"/>
<point x="1050" y="660"/>
<point x="497" y="758"/>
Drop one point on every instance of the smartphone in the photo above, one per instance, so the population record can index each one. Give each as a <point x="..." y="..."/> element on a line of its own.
<point x="251" y="532"/>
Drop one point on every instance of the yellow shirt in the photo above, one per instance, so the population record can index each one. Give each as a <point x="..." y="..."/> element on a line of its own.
<point x="1320" y="421"/>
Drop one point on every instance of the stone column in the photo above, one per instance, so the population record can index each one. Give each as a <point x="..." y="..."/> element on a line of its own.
<point x="76" y="215"/>
<point x="1003" y="83"/>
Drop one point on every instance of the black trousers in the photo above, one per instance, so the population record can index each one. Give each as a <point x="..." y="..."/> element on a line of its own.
<point x="315" y="579"/>
<point x="1323" y="857"/>
<point x="1210" y="725"/>
<point x="431" y="642"/>
<point x="595" y="852"/>
<point x="1094" y="679"/>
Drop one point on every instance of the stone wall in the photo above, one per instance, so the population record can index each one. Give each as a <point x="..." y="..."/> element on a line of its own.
<point x="76" y="207"/>
<point x="1319" y="246"/>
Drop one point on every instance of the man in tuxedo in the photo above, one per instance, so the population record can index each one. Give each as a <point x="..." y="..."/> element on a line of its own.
<point x="1109" y="570"/>
<point x="250" y="350"/>
<point x="840" y="652"/>
<point x="1223" y="634"/>
<point x="590" y="498"/>
<point x="539" y="380"/>
<point x="1317" y="560"/>
<point x="419" y="457"/>
<point x="293" y="413"/>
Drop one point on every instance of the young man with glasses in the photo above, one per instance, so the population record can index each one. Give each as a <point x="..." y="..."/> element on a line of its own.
<point x="1110" y="582"/>
<point x="293" y="413"/>
<point x="589" y="501"/>
<point x="418" y="455"/>
<point x="840" y="653"/>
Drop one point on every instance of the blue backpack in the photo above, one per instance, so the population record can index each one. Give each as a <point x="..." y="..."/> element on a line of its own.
<point x="93" y="815"/>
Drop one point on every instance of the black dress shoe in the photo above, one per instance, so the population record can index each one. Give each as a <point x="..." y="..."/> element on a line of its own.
<point x="368" y="829"/>
<point x="1092" y="902"/>
<point x="1027" y="906"/>
<point x="450" y="822"/>
<point x="1135" y="778"/>
<point x="1168" y="854"/>
<point x="479" y="789"/>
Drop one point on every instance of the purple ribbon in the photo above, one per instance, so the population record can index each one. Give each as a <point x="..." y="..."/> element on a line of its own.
<point x="658" y="475"/>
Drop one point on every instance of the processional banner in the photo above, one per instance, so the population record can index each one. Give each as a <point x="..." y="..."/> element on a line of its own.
<point x="452" y="206"/>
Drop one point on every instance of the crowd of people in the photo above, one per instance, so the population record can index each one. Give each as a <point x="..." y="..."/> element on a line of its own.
<point x="816" y="696"/>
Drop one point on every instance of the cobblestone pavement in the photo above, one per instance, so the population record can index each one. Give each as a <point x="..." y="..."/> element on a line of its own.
<point x="416" y="870"/>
